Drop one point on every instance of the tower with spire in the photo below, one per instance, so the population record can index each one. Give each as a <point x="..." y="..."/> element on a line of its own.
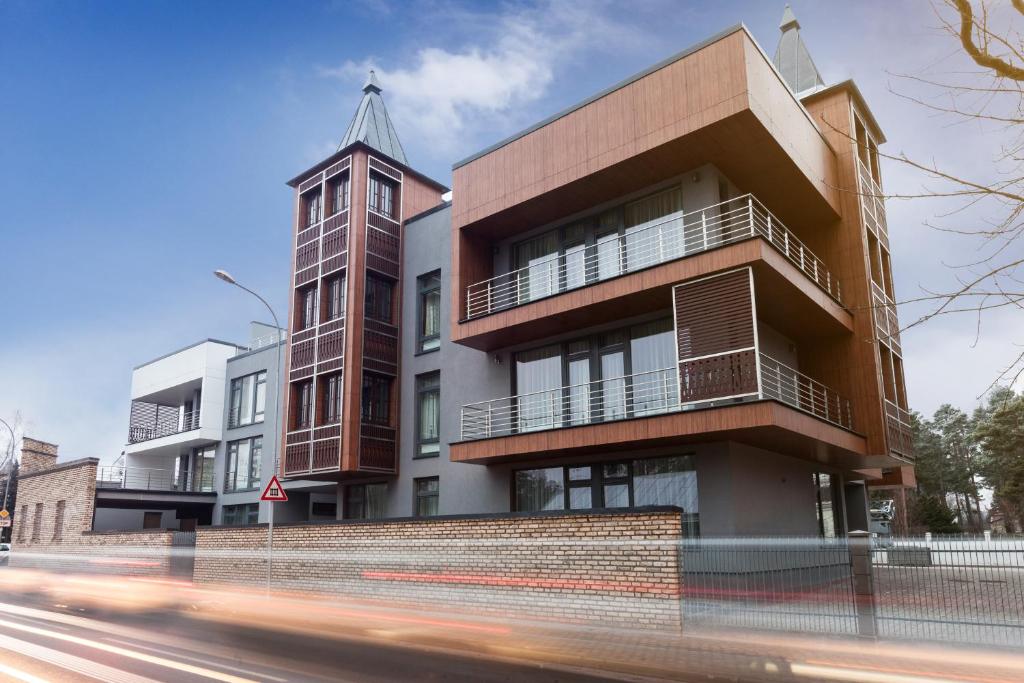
<point x="341" y="395"/>
<point x="793" y="60"/>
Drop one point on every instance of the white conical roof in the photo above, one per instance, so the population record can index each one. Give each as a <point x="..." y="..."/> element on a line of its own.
<point x="372" y="126"/>
<point x="792" y="58"/>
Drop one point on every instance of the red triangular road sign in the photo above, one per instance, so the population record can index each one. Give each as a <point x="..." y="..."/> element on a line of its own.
<point x="274" y="491"/>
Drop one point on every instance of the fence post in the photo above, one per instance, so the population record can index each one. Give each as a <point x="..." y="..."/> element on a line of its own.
<point x="859" y="543"/>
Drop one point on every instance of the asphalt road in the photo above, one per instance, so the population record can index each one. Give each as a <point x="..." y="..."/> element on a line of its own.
<point x="52" y="643"/>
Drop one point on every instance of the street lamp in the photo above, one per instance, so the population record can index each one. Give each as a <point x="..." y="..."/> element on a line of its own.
<point x="226" y="277"/>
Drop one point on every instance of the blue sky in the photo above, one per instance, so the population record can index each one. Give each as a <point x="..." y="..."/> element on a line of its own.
<point x="144" y="144"/>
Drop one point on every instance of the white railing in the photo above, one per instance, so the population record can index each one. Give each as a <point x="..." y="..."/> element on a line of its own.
<point x="266" y="340"/>
<point x="640" y="395"/>
<point x="795" y="389"/>
<point x="675" y="236"/>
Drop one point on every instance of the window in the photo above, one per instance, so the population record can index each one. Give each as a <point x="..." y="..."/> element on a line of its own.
<point x="58" y="521"/>
<point x="335" y="297"/>
<point x="339" y="193"/>
<point x="244" y="458"/>
<point x="428" y="415"/>
<point x="314" y="208"/>
<point x="248" y="399"/>
<point x="303" y="404"/>
<point x="237" y="515"/>
<point x="427" y="492"/>
<point x="376" y="406"/>
<point x="37" y="522"/>
<point x="307" y="307"/>
<point x="365" y="501"/>
<point x="151" y="520"/>
<point x="428" y="311"/>
<point x="612" y="376"/>
<point x="666" y="480"/>
<point x="382" y="195"/>
<point x="323" y="510"/>
<point x="332" y="399"/>
<point x="378" y="298"/>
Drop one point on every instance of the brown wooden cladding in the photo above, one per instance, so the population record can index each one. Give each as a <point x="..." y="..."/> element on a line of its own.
<point x="714" y="314"/>
<point x="704" y="379"/>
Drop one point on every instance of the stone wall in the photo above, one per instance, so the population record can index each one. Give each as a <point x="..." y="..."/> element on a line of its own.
<point x="609" y="567"/>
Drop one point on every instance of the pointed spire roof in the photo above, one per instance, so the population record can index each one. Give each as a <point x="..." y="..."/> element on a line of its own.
<point x="372" y="126"/>
<point x="792" y="58"/>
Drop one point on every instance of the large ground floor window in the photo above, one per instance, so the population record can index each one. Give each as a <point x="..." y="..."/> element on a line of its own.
<point x="236" y="515"/>
<point x="666" y="480"/>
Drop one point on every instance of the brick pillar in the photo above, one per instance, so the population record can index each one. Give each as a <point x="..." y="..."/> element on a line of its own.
<point x="863" y="583"/>
<point x="37" y="455"/>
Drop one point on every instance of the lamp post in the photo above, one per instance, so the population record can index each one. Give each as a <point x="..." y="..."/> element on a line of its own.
<point x="226" y="277"/>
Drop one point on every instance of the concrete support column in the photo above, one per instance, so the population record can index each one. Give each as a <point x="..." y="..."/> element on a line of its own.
<point x="863" y="583"/>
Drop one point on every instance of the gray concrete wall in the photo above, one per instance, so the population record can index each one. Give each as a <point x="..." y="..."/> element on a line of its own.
<point x="241" y="365"/>
<point x="110" y="519"/>
<point x="466" y="375"/>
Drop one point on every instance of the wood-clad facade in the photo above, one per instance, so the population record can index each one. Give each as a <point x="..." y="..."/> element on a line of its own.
<point x="788" y="172"/>
<point x="353" y="234"/>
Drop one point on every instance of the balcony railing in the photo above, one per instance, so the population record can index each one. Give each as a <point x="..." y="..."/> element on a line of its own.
<point x="901" y="434"/>
<point x="674" y="237"/>
<point x="653" y="393"/>
<point x="152" y="421"/>
<point x="887" y="324"/>
<point x="151" y="479"/>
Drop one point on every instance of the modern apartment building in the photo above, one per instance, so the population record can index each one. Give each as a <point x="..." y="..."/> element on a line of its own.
<point x="201" y="440"/>
<point x="676" y="292"/>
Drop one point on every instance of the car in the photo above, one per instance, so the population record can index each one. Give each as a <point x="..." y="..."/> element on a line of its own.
<point x="5" y="553"/>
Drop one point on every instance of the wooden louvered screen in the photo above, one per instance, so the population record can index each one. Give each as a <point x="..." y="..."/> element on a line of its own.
<point x="715" y="337"/>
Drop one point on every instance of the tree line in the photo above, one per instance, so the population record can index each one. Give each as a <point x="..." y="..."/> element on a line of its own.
<point x="959" y="455"/>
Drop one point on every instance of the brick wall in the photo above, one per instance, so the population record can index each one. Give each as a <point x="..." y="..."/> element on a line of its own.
<point x="53" y="525"/>
<point x="70" y="486"/>
<point x="37" y="455"/>
<point x="619" y="567"/>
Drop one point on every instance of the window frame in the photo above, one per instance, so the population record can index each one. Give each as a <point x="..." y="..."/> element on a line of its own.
<point x="417" y="496"/>
<point x="235" y="391"/>
<point x="313" y="207"/>
<point x="302" y="413"/>
<point x="332" y="393"/>
<point x="371" y="416"/>
<point x="381" y="195"/>
<point x="373" y="298"/>
<point x="363" y="500"/>
<point x="240" y="514"/>
<point x="335" y="299"/>
<point x="307" y="311"/>
<point x="427" y="383"/>
<point x="340" y="189"/>
<point x="424" y="289"/>
<point x="231" y="465"/>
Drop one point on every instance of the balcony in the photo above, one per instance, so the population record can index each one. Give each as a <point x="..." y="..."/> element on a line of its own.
<point x="676" y="237"/>
<point x="152" y="479"/>
<point x="887" y="324"/>
<point x="901" y="434"/>
<point x="721" y="379"/>
<point x="150" y="421"/>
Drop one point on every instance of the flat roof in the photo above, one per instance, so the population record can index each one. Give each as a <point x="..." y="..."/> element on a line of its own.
<point x="190" y="346"/>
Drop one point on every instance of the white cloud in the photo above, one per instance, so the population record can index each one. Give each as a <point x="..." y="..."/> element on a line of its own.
<point x="444" y="95"/>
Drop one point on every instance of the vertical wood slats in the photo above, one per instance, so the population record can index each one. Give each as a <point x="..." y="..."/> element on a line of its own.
<point x="715" y="337"/>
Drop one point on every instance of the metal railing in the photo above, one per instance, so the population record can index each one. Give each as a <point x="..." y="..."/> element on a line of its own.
<point x="152" y="421"/>
<point x="792" y="387"/>
<point x="676" y="236"/>
<point x="141" y="478"/>
<point x="886" y="320"/>
<point x="240" y="481"/>
<point x="901" y="434"/>
<point x="639" y="395"/>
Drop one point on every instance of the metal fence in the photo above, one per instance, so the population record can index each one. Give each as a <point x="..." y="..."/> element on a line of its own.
<point x="792" y="584"/>
<point x="964" y="589"/>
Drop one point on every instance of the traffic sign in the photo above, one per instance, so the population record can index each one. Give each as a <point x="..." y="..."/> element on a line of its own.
<point x="274" y="491"/>
<point x="4" y="514"/>
<point x="5" y="522"/>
